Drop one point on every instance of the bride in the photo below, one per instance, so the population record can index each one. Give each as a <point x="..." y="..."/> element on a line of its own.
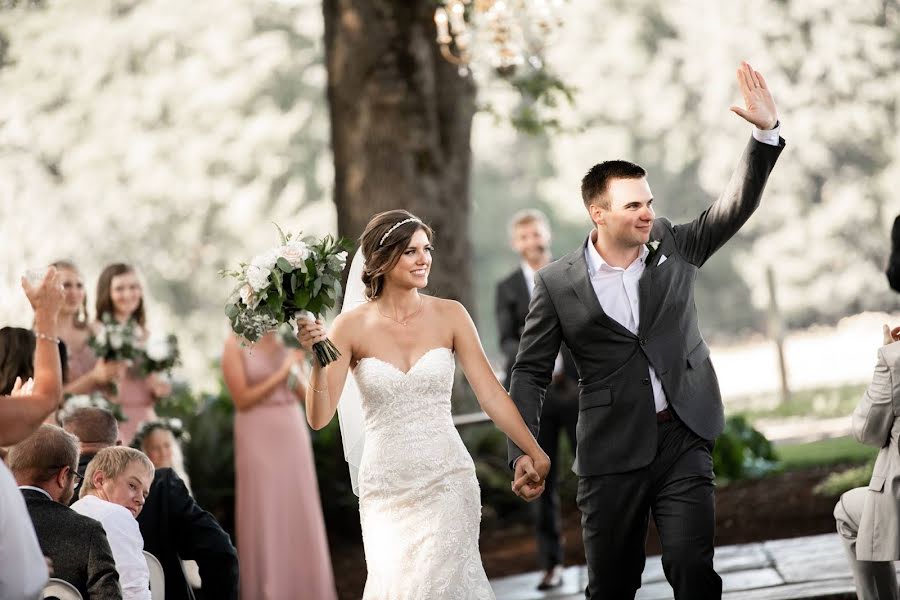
<point x="419" y="499"/>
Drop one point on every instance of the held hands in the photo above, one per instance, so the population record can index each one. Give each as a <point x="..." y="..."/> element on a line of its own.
<point x="760" y="109"/>
<point x="890" y="335"/>
<point x="528" y="482"/>
<point x="310" y="332"/>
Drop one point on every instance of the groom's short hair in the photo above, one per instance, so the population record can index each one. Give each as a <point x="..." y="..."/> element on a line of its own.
<point x="595" y="183"/>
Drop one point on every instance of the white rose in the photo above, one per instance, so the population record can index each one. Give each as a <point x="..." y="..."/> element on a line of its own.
<point x="341" y="256"/>
<point x="294" y="252"/>
<point x="115" y="340"/>
<point x="158" y="349"/>
<point x="258" y="277"/>
<point x="101" y="336"/>
<point x="266" y="260"/>
<point x="248" y="296"/>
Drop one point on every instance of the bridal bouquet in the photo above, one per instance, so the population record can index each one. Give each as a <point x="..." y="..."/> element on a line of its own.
<point x="298" y="278"/>
<point x="73" y="403"/>
<point x="160" y="354"/>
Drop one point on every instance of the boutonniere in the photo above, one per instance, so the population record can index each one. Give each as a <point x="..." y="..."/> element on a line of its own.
<point x="652" y="246"/>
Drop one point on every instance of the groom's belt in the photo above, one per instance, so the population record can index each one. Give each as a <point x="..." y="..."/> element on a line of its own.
<point x="664" y="416"/>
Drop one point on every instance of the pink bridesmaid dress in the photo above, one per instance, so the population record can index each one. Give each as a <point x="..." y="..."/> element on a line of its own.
<point x="137" y="401"/>
<point x="281" y="540"/>
<point x="81" y="361"/>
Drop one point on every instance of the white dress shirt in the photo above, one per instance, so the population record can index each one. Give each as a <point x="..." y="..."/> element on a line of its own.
<point x="126" y="542"/>
<point x="23" y="570"/>
<point x="617" y="288"/>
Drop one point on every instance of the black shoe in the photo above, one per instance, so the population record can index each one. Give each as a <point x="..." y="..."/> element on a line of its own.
<point x="552" y="579"/>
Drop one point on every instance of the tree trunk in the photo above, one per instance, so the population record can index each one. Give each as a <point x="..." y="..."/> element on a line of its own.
<point x="401" y="118"/>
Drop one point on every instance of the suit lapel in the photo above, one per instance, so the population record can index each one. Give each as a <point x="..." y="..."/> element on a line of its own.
<point x="648" y="301"/>
<point x="578" y="275"/>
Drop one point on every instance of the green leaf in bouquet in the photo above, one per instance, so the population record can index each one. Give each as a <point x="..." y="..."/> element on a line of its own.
<point x="315" y="306"/>
<point x="317" y="285"/>
<point x="328" y="301"/>
<point x="231" y="311"/>
<point x="310" y="265"/>
<point x="294" y="282"/>
<point x="275" y="277"/>
<point x="302" y="299"/>
<point x="273" y="302"/>
<point x="284" y="265"/>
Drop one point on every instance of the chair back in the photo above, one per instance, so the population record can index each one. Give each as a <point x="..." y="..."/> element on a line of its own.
<point x="157" y="577"/>
<point x="61" y="590"/>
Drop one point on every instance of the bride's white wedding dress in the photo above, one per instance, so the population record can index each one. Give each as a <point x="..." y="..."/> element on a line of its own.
<point x="419" y="500"/>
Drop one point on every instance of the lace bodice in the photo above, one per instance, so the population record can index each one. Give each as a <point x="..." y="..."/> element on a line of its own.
<point x="420" y="504"/>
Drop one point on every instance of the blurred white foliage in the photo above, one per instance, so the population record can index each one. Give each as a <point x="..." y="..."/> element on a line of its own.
<point x="159" y="137"/>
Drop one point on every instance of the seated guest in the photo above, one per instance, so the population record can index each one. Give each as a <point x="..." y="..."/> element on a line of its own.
<point x="115" y="485"/>
<point x="76" y="545"/>
<point x="23" y="570"/>
<point x="160" y="440"/>
<point x="868" y="518"/>
<point x="95" y="429"/>
<point x="17" y="348"/>
<point x="174" y="527"/>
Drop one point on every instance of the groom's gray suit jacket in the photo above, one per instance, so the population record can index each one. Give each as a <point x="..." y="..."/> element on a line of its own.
<point x="617" y="416"/>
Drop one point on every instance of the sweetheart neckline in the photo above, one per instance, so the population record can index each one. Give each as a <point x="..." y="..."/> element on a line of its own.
<point x="414" y="365"/>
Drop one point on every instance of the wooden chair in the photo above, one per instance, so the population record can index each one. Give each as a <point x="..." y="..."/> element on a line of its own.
<point x="157" y="577"/>
<point x="61" y="590"/>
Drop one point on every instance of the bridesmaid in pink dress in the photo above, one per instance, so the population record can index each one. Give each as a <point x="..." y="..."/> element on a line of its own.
<point x="119" y="294"/>
<point x="85" y="374"/>
<point x="281" y="540"/>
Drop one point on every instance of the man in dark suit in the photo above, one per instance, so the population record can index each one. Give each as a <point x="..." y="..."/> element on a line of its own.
<point x="44" y="465"/>
<point x="649" y="400"/>
<point x="174" y="527"/>
<point x="529" y="232"/>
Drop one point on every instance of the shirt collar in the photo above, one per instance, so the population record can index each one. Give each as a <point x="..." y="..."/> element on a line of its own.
<point x="527" y="271"/>
<point x="596" y="263"/>
<point x="36" y="489"/>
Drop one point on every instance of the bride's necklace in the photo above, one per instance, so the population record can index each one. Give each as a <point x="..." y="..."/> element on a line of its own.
<point x="407" y="319"/>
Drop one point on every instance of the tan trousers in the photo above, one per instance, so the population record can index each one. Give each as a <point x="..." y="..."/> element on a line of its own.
<point x="874" y="580"/>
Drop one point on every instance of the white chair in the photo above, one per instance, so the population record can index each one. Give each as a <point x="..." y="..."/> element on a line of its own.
<point x="61" y="590"/>
<point x="157" y="577"/>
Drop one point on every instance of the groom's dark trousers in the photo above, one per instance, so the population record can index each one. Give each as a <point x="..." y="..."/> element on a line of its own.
<point x="631" y="460"/>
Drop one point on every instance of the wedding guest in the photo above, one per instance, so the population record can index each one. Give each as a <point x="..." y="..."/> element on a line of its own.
<point x="85" y="373"/>
<point x="115" y="485"/>
<point x="159" y="440"/>
<point x="273" y="451"/>
<point x="868" y="518"/>
<point x="173" y="525"/>
<point x="23" y="570"/>
<point x="17" y="347"/>
<point x="120" y="295"/>
<point x="529" y="234"/>
<point x="45" y="467"/>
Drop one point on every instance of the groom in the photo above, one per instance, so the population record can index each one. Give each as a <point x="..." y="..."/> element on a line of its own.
<point x="649" y="401"/>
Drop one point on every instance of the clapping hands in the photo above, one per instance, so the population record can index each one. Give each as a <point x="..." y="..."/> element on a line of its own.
<point x="530" y="475"/>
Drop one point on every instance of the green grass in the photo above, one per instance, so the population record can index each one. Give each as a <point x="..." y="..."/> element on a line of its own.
<point x="820" y="402"/>
<point x="843" y="450"/>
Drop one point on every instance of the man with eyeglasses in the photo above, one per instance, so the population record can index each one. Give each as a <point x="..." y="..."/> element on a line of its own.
<point x="45" y="467"/>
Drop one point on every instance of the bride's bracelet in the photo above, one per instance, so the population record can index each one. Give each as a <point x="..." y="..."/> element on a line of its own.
<point x="315" y="390"/>
<point x="44" y="336"/>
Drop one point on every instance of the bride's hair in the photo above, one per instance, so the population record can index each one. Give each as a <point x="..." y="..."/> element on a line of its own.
<point x="383" y="242"/>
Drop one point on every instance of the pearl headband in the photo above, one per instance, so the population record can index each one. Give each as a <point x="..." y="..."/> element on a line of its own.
<point x="391" y="230"/>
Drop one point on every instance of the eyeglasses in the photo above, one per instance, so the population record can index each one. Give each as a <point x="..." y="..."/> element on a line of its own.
<point x="77" y="476"/>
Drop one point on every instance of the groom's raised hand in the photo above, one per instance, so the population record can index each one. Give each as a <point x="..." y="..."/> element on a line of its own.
<point x="760" y="107"/>
<point x="528" y="483"/>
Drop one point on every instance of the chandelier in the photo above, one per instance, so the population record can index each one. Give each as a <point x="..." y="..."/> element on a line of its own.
<point x="505" y="33"/>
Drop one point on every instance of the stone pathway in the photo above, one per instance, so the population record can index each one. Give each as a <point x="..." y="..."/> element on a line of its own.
<point x="792" y="569"/>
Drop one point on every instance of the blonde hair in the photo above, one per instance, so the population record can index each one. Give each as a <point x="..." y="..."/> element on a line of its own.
<point x="112" y="462"/>
<point x="526" y="216"/>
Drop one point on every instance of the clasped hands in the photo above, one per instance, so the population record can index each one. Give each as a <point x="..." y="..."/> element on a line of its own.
<point x="530" y="475"/>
